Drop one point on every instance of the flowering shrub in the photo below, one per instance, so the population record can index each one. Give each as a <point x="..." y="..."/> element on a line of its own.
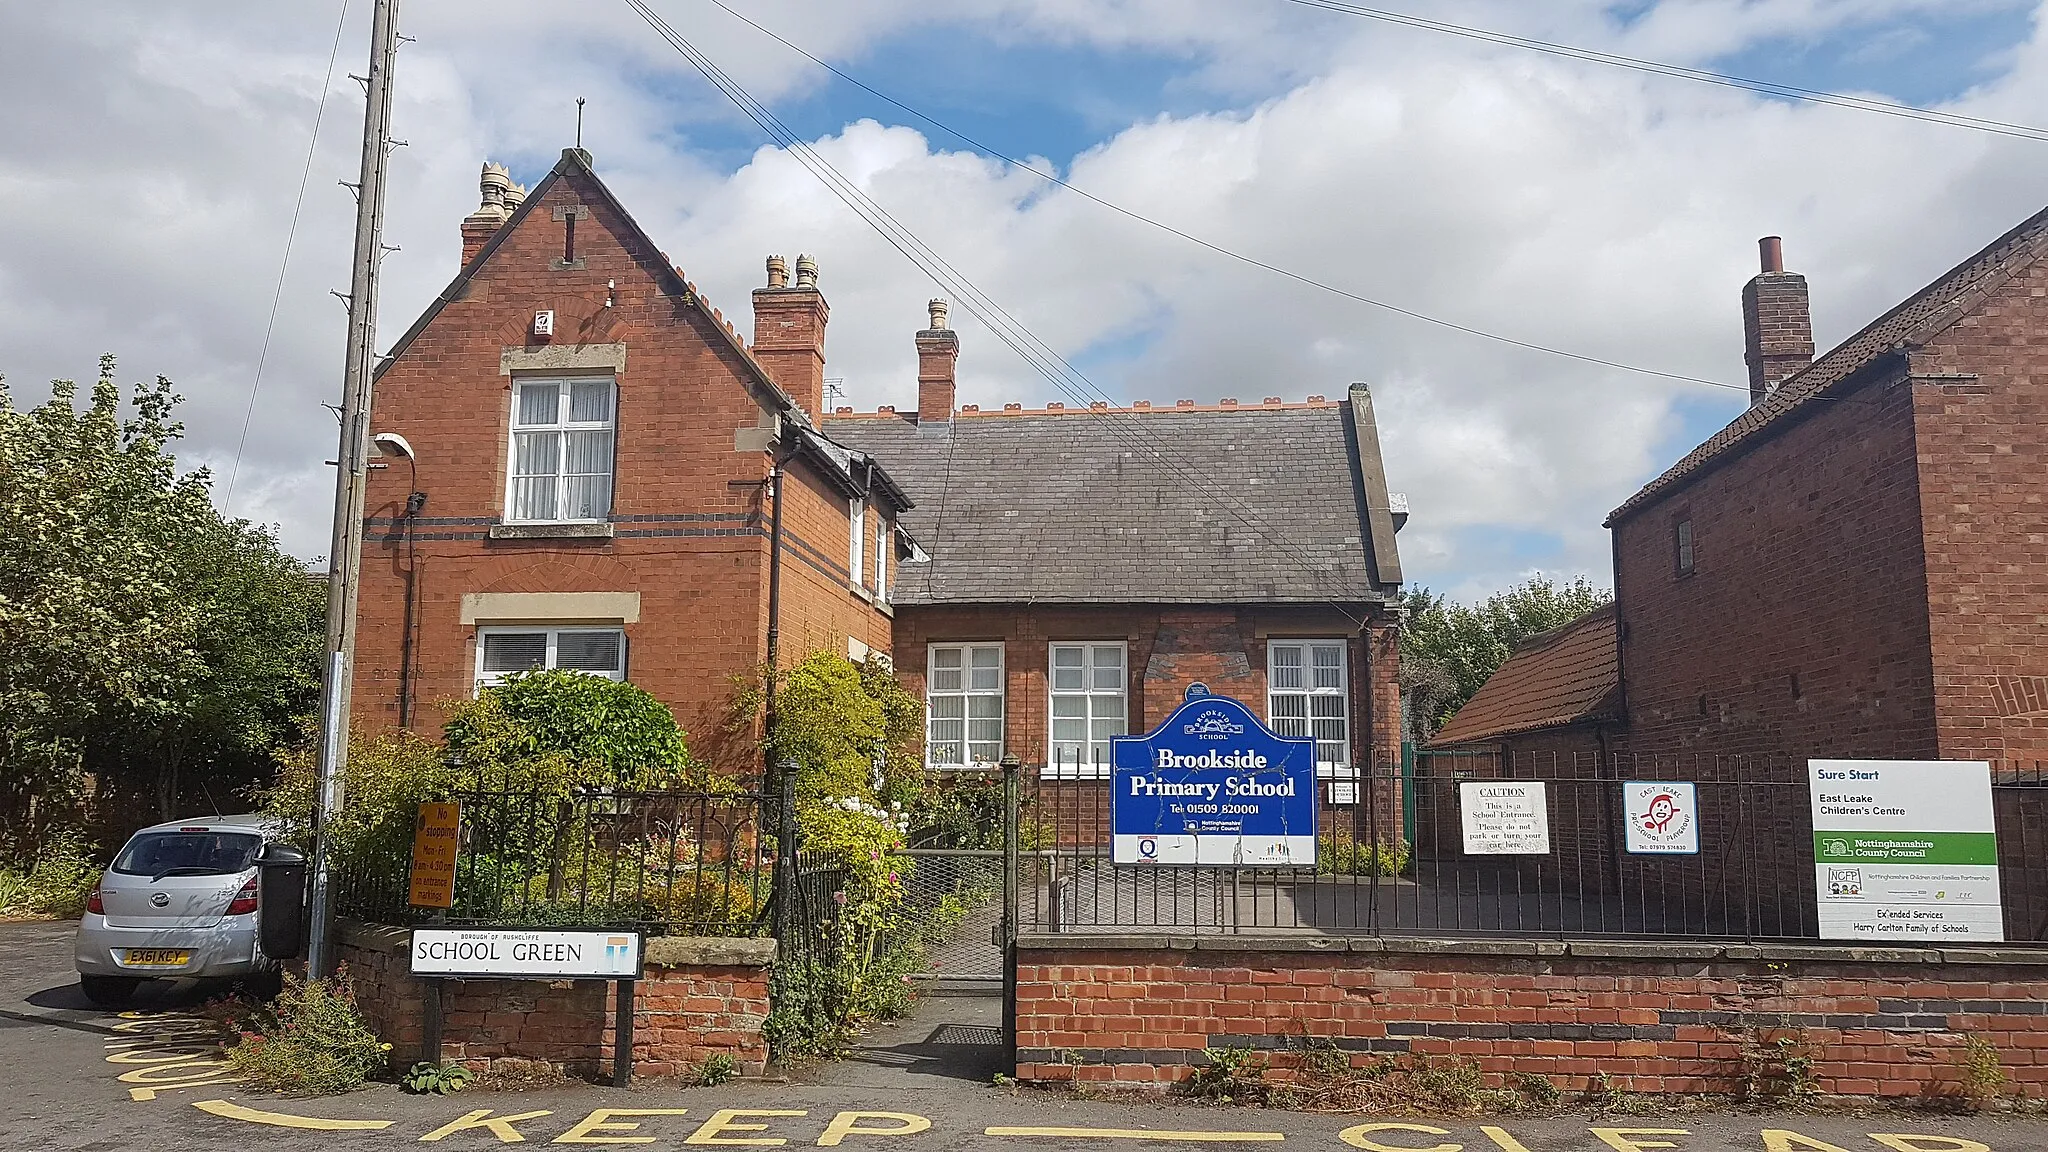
<point x="311" y="1040"/>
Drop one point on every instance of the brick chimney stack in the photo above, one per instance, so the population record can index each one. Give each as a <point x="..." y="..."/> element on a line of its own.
<point x="500" y="197"/>
<point x="1777" y="329"/>
<point x="938" y="350"/>
<point x="789" y="332"/>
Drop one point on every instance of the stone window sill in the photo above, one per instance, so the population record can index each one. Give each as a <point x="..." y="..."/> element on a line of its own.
<point x="567" y="531"/>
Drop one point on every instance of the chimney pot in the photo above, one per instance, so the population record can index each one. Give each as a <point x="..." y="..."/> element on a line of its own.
<point x="493" y="186"/>
<point x="1770" y="252"/>
<point x="778" y="272"/>
<point x="938" y="357"/>
<point x="789" y="333"/>
<point x="1777" y="326"/>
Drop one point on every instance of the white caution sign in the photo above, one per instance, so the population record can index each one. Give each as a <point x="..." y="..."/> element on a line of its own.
<point x="1505" y="817"/>
<point x="519" y="952"/>
<point x="1905" y="850"/>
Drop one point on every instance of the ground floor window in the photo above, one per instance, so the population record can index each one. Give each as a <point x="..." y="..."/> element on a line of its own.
<point x="1086" y="683"/>
<point x="1308" y="695"/>
<point x="964" y="705"/>
<point x="500" y="652"/>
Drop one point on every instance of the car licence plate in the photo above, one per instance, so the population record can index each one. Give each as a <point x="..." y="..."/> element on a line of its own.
<point x="156" y="957"/>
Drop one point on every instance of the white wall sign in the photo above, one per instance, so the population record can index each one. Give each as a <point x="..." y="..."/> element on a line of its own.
<point x="1505" y="817"/>
<point x="1662" y="817"/>
<point x="1905" y="850"/>
<point x="520" y="952"/>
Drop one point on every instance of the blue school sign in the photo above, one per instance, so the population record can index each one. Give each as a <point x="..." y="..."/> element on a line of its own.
<point x="1213" y="785"/>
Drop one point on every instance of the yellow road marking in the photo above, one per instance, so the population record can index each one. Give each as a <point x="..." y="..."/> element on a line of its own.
<point x="1130" y="1134"/>
<point x="1500" y="1137"/>
<point x="229" y="1111"/>
<point x="1625" y="1139"/>
<point x="601" y="1121"/>
<point x="1907" y="1142"/>
<point x="499" y="1126"/>
<point x="153" y="1073"/>
<point x="712" y="1130"/>
<point x="1781" y="1140"/>
<point x="153" y="1093"/>
<point x="1357" y="1133"/>
<point x="848" y="1124"/>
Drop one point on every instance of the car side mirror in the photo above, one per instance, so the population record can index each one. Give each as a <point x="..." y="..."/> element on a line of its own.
<point x="281" y="906"/>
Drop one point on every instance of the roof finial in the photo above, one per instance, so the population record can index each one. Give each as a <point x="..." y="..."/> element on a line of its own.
<point x="579" y="123"/>
<point x="939" y="308"/>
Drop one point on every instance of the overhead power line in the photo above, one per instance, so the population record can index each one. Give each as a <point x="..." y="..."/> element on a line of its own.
<point x="1212" y="246"/>
<point x="1681" y="72"/>
<point x="1128" y="429"/>
<point x="284" y="263"/>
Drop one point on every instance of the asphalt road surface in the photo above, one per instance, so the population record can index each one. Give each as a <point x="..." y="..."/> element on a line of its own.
<point x="81" y="1078"/>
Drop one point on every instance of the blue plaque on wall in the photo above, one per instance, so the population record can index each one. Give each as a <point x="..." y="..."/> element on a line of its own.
<point x="1213" y="785"/>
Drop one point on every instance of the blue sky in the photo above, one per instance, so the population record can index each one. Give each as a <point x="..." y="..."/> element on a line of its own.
<point x="1589" y="208"/>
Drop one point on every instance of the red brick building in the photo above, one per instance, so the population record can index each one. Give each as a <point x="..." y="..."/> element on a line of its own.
<point x="1857" y="566"/>
<point x="594" y="445"/>
<point x="591" y="445"/>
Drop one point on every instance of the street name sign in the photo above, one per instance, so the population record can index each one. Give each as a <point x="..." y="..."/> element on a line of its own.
<point x="1505" y="817"/>
<point x="1213" y="785"/>
<point x="526" y="953"/>
<point x="1905" y="850"/>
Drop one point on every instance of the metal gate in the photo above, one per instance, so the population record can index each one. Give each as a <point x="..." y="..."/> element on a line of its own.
<point x="956" y="894"/>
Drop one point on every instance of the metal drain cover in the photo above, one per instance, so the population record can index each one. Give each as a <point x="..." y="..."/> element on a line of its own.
<point x="966" y="1034"/>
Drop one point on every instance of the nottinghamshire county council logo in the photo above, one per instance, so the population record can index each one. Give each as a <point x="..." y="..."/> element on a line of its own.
<point x="1213" y="725"/>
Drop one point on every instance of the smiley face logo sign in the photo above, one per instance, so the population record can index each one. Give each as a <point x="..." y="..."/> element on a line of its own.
<point x="1662" y="817"/>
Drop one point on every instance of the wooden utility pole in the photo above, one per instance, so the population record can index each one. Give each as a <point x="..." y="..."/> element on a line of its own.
<point x="345" y="557"/>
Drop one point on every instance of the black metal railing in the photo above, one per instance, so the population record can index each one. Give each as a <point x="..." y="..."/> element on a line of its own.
<point x="663" y="861"/>
<point x="1392" y="859"/>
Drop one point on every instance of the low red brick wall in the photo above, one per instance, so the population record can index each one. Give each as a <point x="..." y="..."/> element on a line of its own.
<point x="1139" y="1011"/>
<point x="700" y="997"/>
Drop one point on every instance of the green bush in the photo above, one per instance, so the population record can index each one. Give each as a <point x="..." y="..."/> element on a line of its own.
<point x="55" y="885"/>
<point x="311" y="1040"/>
<point x="1339" y="854"/>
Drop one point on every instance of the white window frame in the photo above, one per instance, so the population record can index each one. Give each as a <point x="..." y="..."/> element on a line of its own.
<point x="553" y="632"/>
<point x="885" y="535"/>
<point x="856" y="539"/>
<point x="1093" y="768"/>
<point x="966" y="692"/>
<point x="561" y="427"/>
<point x="1309" y="691"/>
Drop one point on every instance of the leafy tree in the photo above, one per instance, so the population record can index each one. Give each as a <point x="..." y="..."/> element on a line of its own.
<point x="145" y="641"/>
<point x="1448" y="649"/>
<point x="570" y="728"/>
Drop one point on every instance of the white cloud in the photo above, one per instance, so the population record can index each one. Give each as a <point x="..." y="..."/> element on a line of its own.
<point x="146" y="190"/>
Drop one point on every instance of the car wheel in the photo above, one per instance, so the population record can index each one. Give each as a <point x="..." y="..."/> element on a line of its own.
<point x="108" y="991"/>
<point x="261" y="985"/>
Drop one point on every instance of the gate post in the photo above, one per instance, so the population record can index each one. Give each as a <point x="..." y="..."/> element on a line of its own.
<point x="1011" y="885"/>
<point x="785" y="852"/>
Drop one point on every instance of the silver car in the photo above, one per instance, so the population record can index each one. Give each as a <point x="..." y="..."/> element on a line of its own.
<point x="179" y="900"/>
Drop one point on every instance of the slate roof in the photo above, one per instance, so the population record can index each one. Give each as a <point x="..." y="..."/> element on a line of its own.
<point x="1912" y="323"/>
<point x="1565" y="676"/>
<point x="1261" y="504"/>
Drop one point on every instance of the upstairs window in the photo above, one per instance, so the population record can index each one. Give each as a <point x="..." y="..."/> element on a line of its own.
<point x="1087" y="684"/>
<point x="562" y="433"/>
<point x="1307" y="695"/>
<point x="964" y="703"/>
<point x="885" y="536"/>
<point x="500" y="652"/>
<point x="1681" y="546"/>
<point x="856" y="539"/>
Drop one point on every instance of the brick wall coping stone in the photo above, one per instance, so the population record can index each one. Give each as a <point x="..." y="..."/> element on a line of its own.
<point x="1583" y="949"/>
<point x="660" y="951"/>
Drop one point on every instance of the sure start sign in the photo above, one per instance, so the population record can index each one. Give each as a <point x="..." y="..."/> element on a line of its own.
<point x="522" y="953"/>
